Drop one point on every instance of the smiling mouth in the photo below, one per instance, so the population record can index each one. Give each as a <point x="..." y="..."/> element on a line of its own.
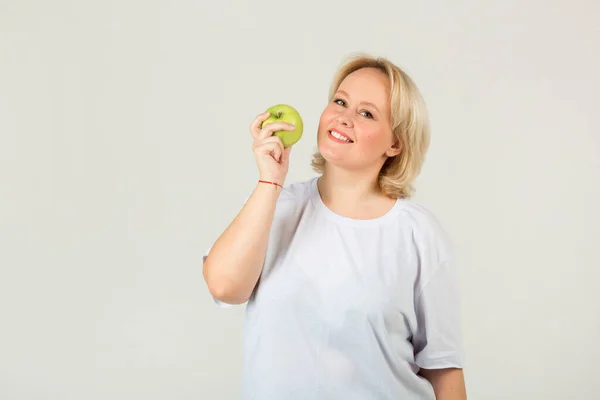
<point x="341" y="137"/>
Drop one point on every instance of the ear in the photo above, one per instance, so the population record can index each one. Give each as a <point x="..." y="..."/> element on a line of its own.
<point x="395" y="149"/>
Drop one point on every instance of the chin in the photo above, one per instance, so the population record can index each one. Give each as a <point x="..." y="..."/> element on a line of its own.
<point x="328" y="152"/>
<point x="333" y="156"/>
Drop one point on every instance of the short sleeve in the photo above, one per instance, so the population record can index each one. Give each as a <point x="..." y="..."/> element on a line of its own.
<point x="438" y="339"/>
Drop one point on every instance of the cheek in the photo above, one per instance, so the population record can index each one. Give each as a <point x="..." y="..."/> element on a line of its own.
<point x="375" y="137"/>
<point x="368" y="133"/>
<point x="325" y="120"/>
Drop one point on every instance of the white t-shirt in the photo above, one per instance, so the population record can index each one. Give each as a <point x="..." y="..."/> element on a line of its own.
<point x="350" y="309"/>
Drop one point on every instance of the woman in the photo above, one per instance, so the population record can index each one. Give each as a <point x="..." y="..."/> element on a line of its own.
<point x="349" y="284"/>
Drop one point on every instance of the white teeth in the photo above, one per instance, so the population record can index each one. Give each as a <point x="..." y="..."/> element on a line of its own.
<point x="338" y="136"/>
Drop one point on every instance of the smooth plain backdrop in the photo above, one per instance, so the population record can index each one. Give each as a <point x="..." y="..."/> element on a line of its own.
<point x="125" y="152"/>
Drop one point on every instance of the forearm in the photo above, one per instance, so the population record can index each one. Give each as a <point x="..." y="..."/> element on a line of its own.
<point x="235" y="261"/>
<point x="448" y="383"/>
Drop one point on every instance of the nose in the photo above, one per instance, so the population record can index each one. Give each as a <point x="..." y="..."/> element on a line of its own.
<point x="345" y="118"/>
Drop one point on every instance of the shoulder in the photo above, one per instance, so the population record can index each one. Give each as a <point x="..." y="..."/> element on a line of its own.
<point x="428" y="233"/>
<point x="420" y="216"/>
<point x="295" y="192"/>
<point x="293" y="200"/>
<point x="293" y="206"/>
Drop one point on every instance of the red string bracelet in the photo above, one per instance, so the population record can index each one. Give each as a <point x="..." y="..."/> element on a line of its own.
<point x="271" y="183"/>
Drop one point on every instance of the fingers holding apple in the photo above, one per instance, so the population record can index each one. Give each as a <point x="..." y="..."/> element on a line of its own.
<point x="271" y="145"/>
<point x="274" y="133"/>
<point x="283" y="114"/>
<point x="256" y="125"/>
<point x="271" y="158"/>
<point x="274" y="129"/>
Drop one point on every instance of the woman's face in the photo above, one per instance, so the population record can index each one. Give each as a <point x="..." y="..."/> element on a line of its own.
<point x="355" y="128"/>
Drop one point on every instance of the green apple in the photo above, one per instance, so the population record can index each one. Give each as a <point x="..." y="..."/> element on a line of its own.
<point x="287" y="114"/>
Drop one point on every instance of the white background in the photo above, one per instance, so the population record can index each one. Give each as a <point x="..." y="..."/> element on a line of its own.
<point x="125" y="152"/>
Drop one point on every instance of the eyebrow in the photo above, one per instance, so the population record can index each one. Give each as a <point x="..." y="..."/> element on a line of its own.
<point x="362" y="102"/>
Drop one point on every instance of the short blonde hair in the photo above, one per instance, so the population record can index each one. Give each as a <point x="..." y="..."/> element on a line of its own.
<point x="410" y="125"/>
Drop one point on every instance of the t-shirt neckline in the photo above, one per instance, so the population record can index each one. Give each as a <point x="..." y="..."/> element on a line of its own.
<point x="320" y="205"/>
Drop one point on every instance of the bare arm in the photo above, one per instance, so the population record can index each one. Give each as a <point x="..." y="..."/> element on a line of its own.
<point x="235" y="261"/>
<point x="448" y="383"/>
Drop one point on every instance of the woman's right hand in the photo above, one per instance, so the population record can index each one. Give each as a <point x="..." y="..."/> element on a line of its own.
<point x="272" y="158"/>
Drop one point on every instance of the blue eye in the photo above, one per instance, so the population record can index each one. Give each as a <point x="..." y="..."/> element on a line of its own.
<point x="339" y="102"/>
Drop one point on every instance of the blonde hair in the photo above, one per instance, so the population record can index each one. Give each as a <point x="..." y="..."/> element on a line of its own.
<point x="410" y="125"/>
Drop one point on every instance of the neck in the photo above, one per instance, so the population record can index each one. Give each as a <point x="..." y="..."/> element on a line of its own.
<point x="338" y="185"/>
